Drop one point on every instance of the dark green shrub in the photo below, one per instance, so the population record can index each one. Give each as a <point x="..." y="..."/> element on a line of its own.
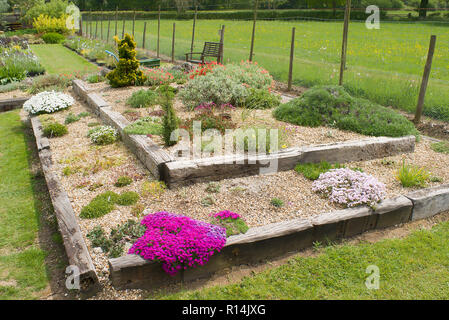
<point x="54" y="129"/>
<point x="142" y="99"/>
<point x="53" y="37"/>
<point x="128" y="198"/>
<point x="127" y="72"/>
<point x="333" y="106"/>
<point x="170" y="121"/>
<point x="166" y="91"/>
<point x="261" y="99"/>
<point x="123" y="181"/>
<point x="100" y="205"/>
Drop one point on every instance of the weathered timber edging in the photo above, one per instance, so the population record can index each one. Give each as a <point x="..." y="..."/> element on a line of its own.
<point x="10" y="104"/>
<point x="277" y="239"/>
<point x="74" y="243"/>
<point x="149" y="153"/>
<point x="177" y="173"/>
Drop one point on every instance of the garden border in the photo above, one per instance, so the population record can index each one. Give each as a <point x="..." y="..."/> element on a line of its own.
<point x="178" y="173"/>
<point x="277" y="239"/>
<point x="75" y="246"/>
<point x="14" y="103"/>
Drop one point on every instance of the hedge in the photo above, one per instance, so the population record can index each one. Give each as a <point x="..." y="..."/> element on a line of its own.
<point x="234" y="15"/>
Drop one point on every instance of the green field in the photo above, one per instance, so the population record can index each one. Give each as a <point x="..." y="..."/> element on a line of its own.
<point x="57" y="59"/>
<point x="384" y="65"/>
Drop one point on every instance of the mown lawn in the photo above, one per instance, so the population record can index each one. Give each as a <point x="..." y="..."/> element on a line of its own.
<point x="416" y="267"/>
<point x="384" y="65"/>
<point x="57" y="59"/>
<point x="22" y="262"/>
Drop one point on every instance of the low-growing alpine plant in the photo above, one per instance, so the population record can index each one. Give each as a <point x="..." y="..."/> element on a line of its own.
<point x="231" y="221"/>
<point x="103" y="135"/>
<point x="48" y="102"/>
<point x="178" y="242"/>
<point x="350" y="188"/>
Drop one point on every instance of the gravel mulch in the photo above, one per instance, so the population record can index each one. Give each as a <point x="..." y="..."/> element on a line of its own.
<point x="95" y="169"/>
<point x="290" y="135"/>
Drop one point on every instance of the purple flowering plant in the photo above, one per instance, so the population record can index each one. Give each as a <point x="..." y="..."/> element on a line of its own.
<point x="350" y="188"/>
<point x="211" y="106"/>
<point x="177" y="241"/>
<point x="231" y="221"/>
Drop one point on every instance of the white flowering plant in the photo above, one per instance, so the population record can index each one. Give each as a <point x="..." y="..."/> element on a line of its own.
<point x="103" y="135"/>
<point x="48" y="102"/>
<point x="350" y="188"/>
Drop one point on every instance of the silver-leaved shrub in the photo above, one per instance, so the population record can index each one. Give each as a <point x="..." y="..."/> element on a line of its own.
<point x="225" y="84"/>
<point x="350" y="188"/>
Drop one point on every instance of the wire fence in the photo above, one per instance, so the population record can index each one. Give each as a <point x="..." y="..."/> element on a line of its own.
<point x="384" y="65"/>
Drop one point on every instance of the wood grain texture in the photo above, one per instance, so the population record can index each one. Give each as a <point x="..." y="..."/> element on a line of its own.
<point x="73" y="240"/>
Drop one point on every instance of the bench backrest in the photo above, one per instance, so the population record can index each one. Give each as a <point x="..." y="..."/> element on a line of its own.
<point x="211" y="49"/>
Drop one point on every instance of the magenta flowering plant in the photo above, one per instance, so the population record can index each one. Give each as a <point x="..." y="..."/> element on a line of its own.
<point x="177" y="241"/>
<point x="227" y="214"/>
<point x="350" y="188"/>
<point x="231" y="221"/>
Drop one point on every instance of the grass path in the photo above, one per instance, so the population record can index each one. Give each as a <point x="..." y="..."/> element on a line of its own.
<point x="28" y="257"/>
<point x="57" y="59"/>
<point x="416" y="267"/>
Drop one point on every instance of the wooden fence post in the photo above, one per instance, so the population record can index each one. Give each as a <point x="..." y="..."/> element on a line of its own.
<point x="292" y="53"/>
<point x="173" y="44"/>
<point x="116" y="21"/>
<point x="109" y="26"/>
<point x="345" y="41"/>
<point x="222" y="43"/>
<point x="425" y="79"/>
<point x="134" y="21"/>
<point x="158" y="29"/>
<point x="96" y="27"/>
<point x="81" y="25"/>
<point x="193" y="29"/>
<point x="144" y="32"/>
<point x="254" y="31"/>
<point x="123" y="28"/>
<point x="101" y="26"/>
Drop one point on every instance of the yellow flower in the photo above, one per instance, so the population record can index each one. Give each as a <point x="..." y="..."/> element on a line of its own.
<point x="284" y="146"/>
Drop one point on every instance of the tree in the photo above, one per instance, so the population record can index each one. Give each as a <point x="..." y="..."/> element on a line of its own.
<point x="423" y="8"/>
<point x="4" y="6"/>
<point x="327" y="4"/>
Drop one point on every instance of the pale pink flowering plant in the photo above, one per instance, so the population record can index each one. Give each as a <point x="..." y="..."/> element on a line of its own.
<point x="350" y="188"/>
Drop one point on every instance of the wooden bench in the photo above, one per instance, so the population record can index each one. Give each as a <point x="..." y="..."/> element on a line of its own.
<point x="211" y="49"/>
